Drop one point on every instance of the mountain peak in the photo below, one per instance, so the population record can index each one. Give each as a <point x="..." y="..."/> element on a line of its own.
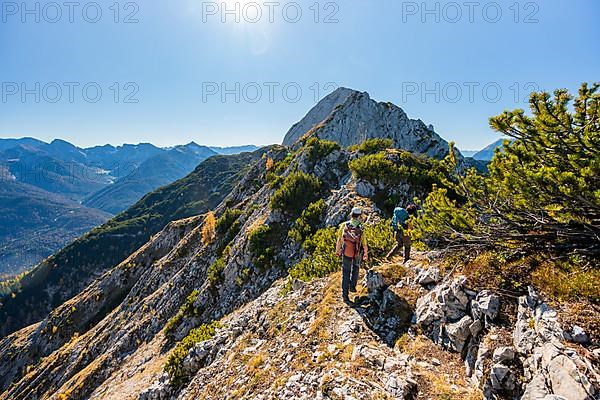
<point x="318" y="113"/>
<point x="344" y="92"/>
<point x="349" y="117"/>
<point x="195" y="146"/>
<point x="63" y="144"/>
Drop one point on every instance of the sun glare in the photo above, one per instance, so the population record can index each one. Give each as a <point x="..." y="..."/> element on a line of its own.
<point x="248" y="22"/>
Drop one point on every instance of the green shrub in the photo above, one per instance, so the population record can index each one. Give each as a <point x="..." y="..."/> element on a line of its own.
<point x="186" y="310"/>
<point x="242" y="277"/>
<point x="568" y="280"/>
<point x="273" y="175"/>
<point x="318" y="149"/>
<point x="227" y="220"/>
<point x="375" y="168"/>
<point x="273" y="179"/>
<point x="388" y="170"/>
<point x="380" y="238"/>
<point x="443" y="221"/>
<point x="384" y="168"/>
<point x="322" y="260"/>
<point x="296" y="193"/>
<point x="372" y="146"/>
<point x="541" y="195"/>
<point x="306" y="225"/>
<point x="263" y="243"/>
<point x="251" y="210"/>
<point x="281" y="166"/>
<point x="174" y="364"/>
<point x="215" y="271"/>
<point x="227" y="227"/>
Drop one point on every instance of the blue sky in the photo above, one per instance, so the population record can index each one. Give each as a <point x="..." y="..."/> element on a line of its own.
<point x="180" y="73"/>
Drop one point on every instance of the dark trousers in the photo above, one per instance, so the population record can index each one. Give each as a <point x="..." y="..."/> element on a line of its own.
<point x="402" y="240"/>
<point x="350" y="268"/>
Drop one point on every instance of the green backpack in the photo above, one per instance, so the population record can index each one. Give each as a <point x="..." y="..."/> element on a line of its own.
<point x="399" y="219"/>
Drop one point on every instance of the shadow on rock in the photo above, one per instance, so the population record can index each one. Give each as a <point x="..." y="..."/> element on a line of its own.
<point x="383" y="311"/>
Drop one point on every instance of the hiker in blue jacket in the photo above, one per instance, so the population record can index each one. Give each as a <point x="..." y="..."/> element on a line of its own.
<point x="401" y="229"/>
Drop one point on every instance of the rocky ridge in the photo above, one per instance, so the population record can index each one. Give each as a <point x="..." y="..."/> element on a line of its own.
<point x="531" y="360"/>
<point x="416" y="330"/>
<point x="85" y="342"/>
<point x="349" y="117"/>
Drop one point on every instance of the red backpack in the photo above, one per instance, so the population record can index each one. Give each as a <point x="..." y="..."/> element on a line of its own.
<point x="352" y="237"/>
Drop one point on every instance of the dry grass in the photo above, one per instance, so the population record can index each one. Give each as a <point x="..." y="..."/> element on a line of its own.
<point x="583" y="314"/>
<point x="413" y="346"/>
<point x="256" y="224"/>
<point x="567" y="283"/>
<point x="256" y="362"/>
<point x="441" y="386"/>
<point x="325" y="309"/>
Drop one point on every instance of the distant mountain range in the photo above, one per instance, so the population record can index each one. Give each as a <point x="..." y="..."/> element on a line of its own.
<point x="234" y="149"/>
<point x="45" y="286"/>
<point x="51" y="193"/>
<point x="156" y="171"/>
<point x="485" y="154"/>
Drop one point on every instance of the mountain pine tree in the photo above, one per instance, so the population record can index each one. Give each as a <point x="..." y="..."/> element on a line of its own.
<point x="543" y="190"/>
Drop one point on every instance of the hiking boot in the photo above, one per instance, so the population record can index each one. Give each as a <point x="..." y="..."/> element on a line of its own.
<point x="353" y="289"/>
<point x="347" y="299"/>
<point x="360" y="300"/>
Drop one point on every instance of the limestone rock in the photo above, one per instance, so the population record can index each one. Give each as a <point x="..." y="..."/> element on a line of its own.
<point x="578" y="335"/>
<point x="365" y="189"/>
<point x="476" y="327"/>
<point x="536" y="389"/>
<point x="503" y="354"/>
<point x="550" y="368"/>
<point x="458" y="333"/>
<point x="349" y="117"/>
<point x="501" y="378"/>
<point x="160" y="390"/>
<point x="428" y="276"/>
<point x="400" y="388"/>
<point x="375" y="283"/>
<point x="566" y="380"/>
<point x="372" y="356"/>
<point x="297" y="285"/>
<point x="486" y="304"/>
<point x="444" y="306"/>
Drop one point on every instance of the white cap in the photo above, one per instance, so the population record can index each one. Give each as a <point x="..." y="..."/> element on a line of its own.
<point x="356" y="211"/>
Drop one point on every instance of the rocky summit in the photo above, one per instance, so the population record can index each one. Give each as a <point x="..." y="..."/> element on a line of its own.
<point x="243" y="301"/>
<point x="349" y="117"/>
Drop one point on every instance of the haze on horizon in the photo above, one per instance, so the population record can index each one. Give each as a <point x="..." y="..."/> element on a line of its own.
<point x="197" y="71"/>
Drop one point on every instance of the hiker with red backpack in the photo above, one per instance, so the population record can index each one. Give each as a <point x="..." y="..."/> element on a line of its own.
<point x="401" y="229"/>
<point x="352" y="247"/>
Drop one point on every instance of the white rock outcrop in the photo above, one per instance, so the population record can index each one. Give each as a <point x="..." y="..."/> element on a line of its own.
<point x="549" y="367"/>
